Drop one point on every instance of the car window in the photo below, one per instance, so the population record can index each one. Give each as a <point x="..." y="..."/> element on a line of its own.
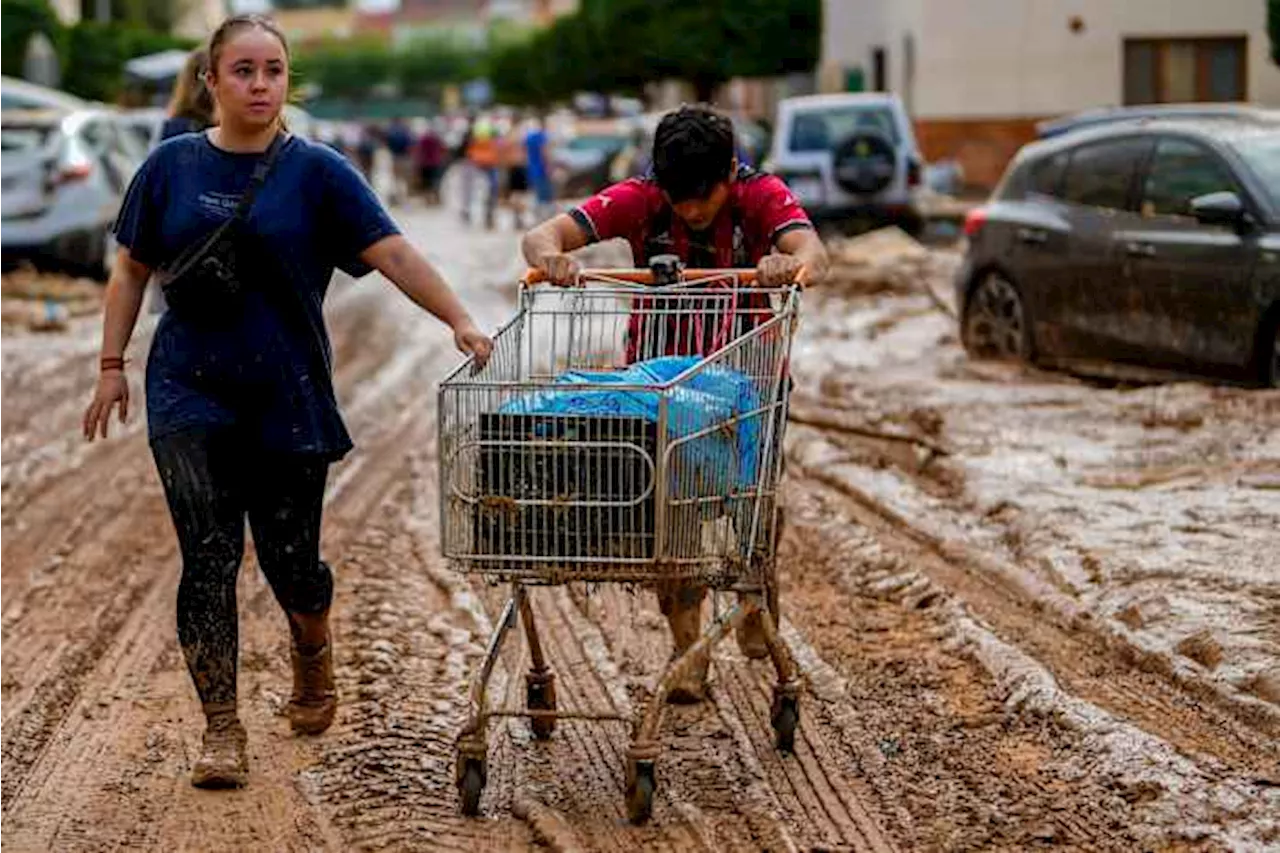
<point x="1100" y="174"/>
<point x="820" y="129"/>
<point x="1045" y="176"/>
<point x="1262" y="155"/>
<point x="1180" y="171"/>
<point x="24" y="138"/>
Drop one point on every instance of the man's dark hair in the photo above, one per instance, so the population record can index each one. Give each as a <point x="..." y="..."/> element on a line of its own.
<point x="692" y="152"/>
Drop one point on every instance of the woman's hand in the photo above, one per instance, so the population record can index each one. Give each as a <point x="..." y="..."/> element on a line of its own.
<point x="473" y="342"/>
<point x="112" y="388"/>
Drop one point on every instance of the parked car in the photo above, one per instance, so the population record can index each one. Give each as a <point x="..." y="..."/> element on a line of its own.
<point x="144" y="124"/>
<point x="18" y="94"/>
<point x="1109" y="115"/>
<point x="64" y="175"/>
<point x="851" y="159"/>
<point x="580" y="164"/>
<point x="1152" y="243"/>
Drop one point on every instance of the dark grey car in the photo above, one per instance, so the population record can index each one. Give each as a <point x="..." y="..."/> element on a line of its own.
<point x="1153" y="244"/>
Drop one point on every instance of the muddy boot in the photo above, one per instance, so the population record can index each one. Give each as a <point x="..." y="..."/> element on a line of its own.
<point x="682" y="605"/>
<point x="315" y="698"/>
<point x="224" y="756"/>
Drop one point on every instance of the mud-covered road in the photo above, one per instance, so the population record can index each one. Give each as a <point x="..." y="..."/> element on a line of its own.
<point x="995" y="642"/>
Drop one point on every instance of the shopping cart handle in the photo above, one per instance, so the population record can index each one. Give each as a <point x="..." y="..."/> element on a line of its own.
<point x="535" y="275"/>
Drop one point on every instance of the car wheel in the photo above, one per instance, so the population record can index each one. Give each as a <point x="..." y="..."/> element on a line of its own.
<point x="1271" y="366"/>
<point x="995" y="323"/>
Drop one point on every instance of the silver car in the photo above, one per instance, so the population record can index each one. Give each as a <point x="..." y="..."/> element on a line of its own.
<point x="850" y="159"/>
<point x="64" y="176"/>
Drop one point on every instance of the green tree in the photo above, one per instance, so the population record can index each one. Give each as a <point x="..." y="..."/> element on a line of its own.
<point x="710" y="42"/>
<point x="423" y="66"/>
<point x="95" y="54"/>
<point x="22" y="20"/>
<point x="354" y="68"/>
<point x="615" y="46"/>
<point x="159" y="15"/>
<point x="1273" y="29"/>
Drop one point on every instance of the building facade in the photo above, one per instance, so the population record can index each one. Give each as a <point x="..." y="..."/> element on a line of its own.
<point x="977" y="75"/>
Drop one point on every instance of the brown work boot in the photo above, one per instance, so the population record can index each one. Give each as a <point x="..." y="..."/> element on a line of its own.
<point x="224" y="756"/>
<point x="682" y="605"/>
<point x="315" y="698"/>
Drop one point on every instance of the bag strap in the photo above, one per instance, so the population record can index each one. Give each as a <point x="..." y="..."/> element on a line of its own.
<point x="259" y="177"/>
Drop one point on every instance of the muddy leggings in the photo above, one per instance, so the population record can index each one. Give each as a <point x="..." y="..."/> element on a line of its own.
<point x="212" y="484"/>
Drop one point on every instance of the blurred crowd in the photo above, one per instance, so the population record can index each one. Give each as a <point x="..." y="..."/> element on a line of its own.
<point x="494" y="162"/>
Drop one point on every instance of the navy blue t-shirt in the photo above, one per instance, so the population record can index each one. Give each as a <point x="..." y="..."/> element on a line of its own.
<point x="256" y="370"/>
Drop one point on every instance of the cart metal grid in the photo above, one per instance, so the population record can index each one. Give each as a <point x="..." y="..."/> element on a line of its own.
<point x="671" y="480"/>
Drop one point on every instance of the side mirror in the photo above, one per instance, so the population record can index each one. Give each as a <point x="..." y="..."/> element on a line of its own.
<point x="1220" y="208"/>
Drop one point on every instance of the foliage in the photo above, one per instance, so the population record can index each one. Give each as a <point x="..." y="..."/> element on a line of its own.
<point x="619" y="45"/>
<point x="159" y="15"/>
<point x="95" y="54"/>
<point x="22" y="20"/>
<point x="353" y="68"/>
<point x="1273" y="29"/>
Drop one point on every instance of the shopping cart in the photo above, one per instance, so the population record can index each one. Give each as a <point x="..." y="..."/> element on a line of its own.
<point x="630" y="432"/>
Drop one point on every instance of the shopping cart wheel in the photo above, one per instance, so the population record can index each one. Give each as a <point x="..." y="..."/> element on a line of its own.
<point x="471" y="779"/>
<point x="640" y="787"/>
<point x="785" y="718"/>
<point x="540" y="695"/>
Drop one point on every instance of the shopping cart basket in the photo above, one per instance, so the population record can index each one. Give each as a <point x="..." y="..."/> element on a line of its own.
<point x="621" y="432"/>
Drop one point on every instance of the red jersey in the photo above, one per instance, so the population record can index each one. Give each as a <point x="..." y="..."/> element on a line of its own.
<point x="760" y="209"/>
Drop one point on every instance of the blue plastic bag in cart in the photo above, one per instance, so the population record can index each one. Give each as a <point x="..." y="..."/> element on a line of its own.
<point x="725" y="460"/>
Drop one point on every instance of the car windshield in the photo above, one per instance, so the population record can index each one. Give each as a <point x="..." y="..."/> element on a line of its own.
<point x="820" y="129"/>
<point x="1262" y="153"/>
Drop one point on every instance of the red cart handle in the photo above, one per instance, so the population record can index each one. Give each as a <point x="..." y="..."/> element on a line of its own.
<point x="533" y="275"/>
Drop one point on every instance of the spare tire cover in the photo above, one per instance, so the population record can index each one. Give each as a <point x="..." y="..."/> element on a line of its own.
<point x="864" y="162"/>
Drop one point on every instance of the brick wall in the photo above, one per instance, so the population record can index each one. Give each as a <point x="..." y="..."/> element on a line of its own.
<point x="982" y="146"/>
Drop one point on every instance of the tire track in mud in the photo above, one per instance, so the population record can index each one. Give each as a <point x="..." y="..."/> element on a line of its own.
<point x="973" y="747"/>
<point x="1116" y="679"/>
<point x="718" y="757"/>
<point x="31" y="726"/>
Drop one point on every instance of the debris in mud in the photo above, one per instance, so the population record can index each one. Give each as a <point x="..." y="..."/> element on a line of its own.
<point x="1139" y="614"/>
<point x="1265" y="685"/>
<point x="1202" y="648"/>
<point x="885" y="261"/>
<point x="45" y="302"/>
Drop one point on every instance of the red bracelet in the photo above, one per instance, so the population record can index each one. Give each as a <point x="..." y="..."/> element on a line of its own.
<point x="111" y="362"/>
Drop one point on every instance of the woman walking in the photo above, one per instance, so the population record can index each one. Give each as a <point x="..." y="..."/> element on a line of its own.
<point x="244" y="225"/>
<point x="191" y="107"/>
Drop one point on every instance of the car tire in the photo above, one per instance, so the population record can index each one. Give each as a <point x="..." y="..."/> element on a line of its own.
<point x="1269" y="353"/>
<point x="864" y="163"/>
<point x="995" y="324"/>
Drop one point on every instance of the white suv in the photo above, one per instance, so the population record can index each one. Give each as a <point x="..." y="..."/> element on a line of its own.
<point x="849" y="159"/>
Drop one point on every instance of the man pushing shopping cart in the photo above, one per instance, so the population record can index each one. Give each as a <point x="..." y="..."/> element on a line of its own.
<point x="701" y="206"/>
<point x="629" y="431"/>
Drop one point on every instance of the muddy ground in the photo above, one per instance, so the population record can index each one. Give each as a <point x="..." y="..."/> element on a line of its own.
<point x="1043" y="614"/>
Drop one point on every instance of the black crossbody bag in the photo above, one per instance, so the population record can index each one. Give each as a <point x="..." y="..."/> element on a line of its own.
<point x="206" y="282"/>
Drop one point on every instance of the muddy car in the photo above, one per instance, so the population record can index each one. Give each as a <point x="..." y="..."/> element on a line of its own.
<point x="1153" y="244"/>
